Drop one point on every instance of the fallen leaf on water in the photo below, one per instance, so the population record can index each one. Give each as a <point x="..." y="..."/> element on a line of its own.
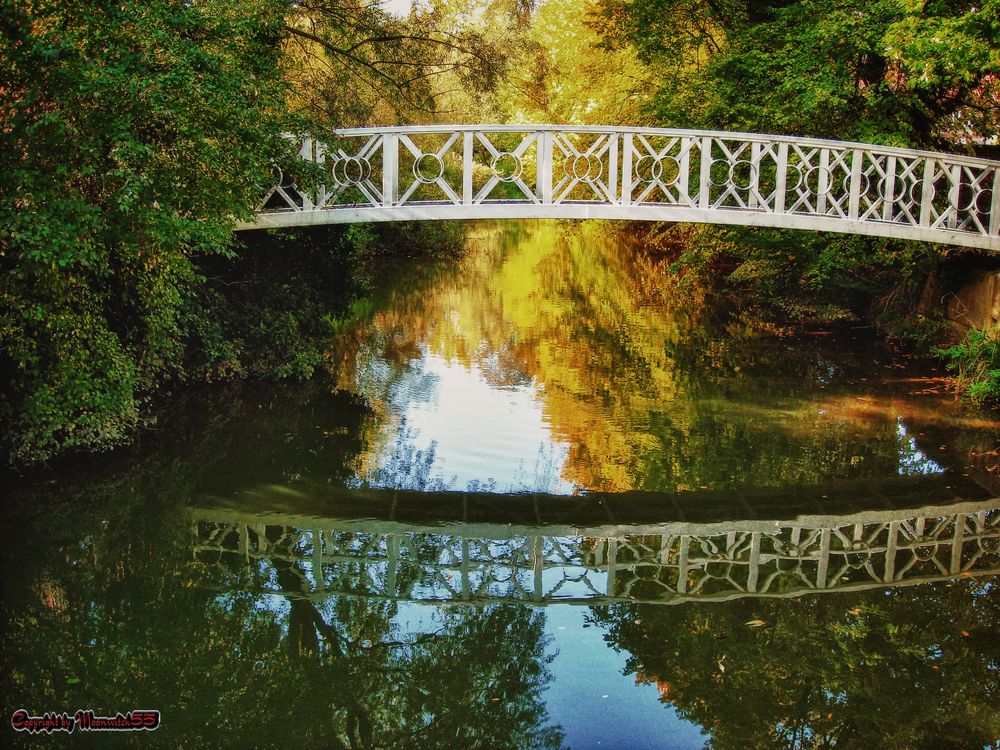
<point x="754" y="623"/>
<point x="855" y="612"/>
<point x="965" y="633"/>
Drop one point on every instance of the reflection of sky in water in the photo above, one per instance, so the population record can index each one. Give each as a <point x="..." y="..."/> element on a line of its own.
<point x="475" y="433"/>
<point x="911" y="459"/>
<point x="590" y="696"/>
<point x="597" y="703"/>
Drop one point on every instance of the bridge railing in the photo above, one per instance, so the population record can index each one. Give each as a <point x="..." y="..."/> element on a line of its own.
<point x="488" y="171"/>
<point x="654" y="563"/>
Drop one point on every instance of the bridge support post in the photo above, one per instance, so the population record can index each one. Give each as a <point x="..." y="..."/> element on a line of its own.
<point x="927" y="193"/>
<point x="753" y="572"/>
<point x="854" y="197"/>
<point x="705" y="175"/>
<point x="317" y="560"/>
<point x="889" y="188"/>
<point x="390" y="169"/>
<point x="612" y="566"/>
<point x="892" y="542"/>
<point x="781" y="179"/>
<point x="823" y="185"/>
<point x="823" y="568"/>
<point x="954" y="197"/>
<point x="545" y="166"/>
<point x="467" y="167"/>
<point x="957" y="542"/>
<point x="682" y="563"/>
<point x="306" y="152"/>
<point x="995" y="210"/>
<point x="392" y="545"/>
<point x="626" y="194"/>
<point x="538" y="567"/>
<point x="753" y="194"/>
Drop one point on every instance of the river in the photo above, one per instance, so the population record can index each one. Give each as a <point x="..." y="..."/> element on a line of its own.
<point x="544" y="496"/>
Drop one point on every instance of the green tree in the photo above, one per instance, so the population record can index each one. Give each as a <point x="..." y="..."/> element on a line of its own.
<point x="352" y="63"/>
<point x="921" y="74"/>
<point x="133" y="136"/>
<point x="906" y="73"/>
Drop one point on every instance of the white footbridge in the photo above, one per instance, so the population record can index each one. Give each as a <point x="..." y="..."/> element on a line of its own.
<point x="646" y="174"/>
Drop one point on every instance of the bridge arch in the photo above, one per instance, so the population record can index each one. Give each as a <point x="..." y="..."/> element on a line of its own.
<point x="436" y="172"/>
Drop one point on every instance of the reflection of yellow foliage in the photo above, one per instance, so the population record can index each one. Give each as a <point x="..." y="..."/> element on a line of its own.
<point x="648" y="390"/>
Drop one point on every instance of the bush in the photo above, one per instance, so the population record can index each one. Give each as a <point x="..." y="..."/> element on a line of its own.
<point x="976" y="360"/>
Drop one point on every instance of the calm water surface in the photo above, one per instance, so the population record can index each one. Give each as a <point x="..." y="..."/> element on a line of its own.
<point x="539" y="499"/>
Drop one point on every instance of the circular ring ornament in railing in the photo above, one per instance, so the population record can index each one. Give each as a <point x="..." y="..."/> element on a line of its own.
<point x="338" y="171"/>
<point x="507" y="166"/>
<point x="925" y="548"/>
<point x="918" y="186"/>
<point x="858" y="555"/>
<point x="574" y="170"/>
<point x="790" y="559"/>
<point x="420" y="171"/>
<point x="988" y="544"/>
<point x="865" y="184"/>
<point x="350" y="171"/>
<point x="648" y="169"/>
<point x="670" y="170"/>
<point x="799" y="180"/>
<point x="723" y="170"/>
<point x="279" y="178"/>
<point x="719" y="569"/>
<point x="817" y="171"/>
<point x="742" y="165"/>
<point x="977" y="203"/>
<point x="883" y="187"/>
<point x="275" y="181"/>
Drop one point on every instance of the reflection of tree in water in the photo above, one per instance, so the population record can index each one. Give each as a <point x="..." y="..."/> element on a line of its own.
<point x="279" y="672"/>
<point x="406" y="467"/>
<point x="651" y="389"/>
<point x="99" y="611"/>
<point x="474" y="681"/>
<point x="904" y="668"/>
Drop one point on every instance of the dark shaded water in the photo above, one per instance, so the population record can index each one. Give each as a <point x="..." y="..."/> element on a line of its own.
<point x="541" y="500"/>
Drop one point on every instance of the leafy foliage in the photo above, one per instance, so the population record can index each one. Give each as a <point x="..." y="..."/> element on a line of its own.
<point x="977" y="362"/>
<point x="886" y="72"/>
<point x="133" y="136"/>
<point x="351" y="62"/>
<point x="894" y="72"/>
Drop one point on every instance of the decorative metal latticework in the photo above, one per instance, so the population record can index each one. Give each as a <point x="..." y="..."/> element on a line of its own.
<point x="545" y="171"/>
<point x="659" y="563"/>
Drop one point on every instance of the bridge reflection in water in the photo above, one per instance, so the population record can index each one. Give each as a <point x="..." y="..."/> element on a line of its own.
<point x="643" y="547"/>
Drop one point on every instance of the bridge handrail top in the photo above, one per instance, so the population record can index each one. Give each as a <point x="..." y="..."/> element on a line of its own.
<point x="672" y="132"/>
